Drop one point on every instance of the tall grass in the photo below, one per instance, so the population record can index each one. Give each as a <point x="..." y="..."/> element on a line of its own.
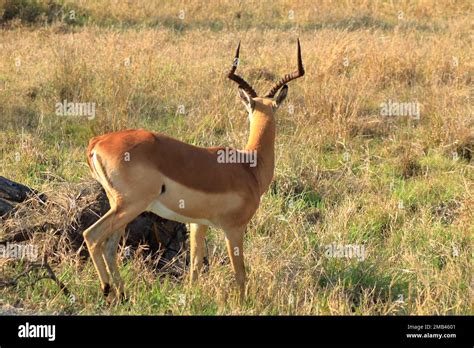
<point x="400" y="187"/>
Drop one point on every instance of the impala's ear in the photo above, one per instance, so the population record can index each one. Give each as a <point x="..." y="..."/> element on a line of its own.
<point x="247" y="100"/>
<point x="280" y="97"/>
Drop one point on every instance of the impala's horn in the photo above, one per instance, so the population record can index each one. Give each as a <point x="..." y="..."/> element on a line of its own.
<point x="241" y="82"/>
<point x="289" y="77"/>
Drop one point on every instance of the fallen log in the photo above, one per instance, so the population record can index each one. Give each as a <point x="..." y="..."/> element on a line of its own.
<point x="5" y="207"/>
<point x="162" y="238"/>
<point x="16" y="192"/>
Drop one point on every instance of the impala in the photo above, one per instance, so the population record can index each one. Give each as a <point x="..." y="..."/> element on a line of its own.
<point x="147" y="171"/>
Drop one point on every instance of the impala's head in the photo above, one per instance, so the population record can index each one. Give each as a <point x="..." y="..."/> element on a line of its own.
<point x="267" y="105"/>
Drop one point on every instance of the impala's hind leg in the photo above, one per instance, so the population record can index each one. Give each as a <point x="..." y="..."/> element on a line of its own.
<point x="93" y="237"/>
<point x="97" y="235"/>
<point x="197" y="240"/>
<point x="110" y="258"/>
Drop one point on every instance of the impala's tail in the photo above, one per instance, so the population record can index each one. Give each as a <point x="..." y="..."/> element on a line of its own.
<point x="96" y="166"/>
<point x="90" y="152"/>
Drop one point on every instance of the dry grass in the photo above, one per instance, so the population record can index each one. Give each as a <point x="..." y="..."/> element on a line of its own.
<point x="342" y="169"/>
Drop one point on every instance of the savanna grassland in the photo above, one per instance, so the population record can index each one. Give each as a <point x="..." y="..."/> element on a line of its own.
<point x="398" y="186"/>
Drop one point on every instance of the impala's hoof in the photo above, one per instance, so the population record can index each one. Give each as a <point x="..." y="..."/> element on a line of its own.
<point x="106" y="290"/>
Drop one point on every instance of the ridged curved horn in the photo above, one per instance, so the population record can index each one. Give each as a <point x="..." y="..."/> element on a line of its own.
<point x="289" y="77"/>
<point x="236" y="78"/>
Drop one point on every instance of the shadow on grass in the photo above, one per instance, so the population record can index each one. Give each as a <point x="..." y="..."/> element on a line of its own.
<point x="364" y="279"/>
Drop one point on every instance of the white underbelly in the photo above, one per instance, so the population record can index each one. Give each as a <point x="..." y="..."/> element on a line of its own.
<point x="160" y="209"/>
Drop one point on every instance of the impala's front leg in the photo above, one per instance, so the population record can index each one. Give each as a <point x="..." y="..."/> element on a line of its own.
<point x="197" y="240"/>
<point x="235" y="248"/>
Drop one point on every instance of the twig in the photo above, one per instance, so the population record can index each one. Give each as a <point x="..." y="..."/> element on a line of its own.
<point x="34" y="267"/>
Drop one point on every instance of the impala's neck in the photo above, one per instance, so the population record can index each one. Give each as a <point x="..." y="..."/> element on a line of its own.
<point x="262" y="140"/>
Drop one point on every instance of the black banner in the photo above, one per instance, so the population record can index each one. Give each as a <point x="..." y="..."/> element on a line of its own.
<point x="168" y="330"/>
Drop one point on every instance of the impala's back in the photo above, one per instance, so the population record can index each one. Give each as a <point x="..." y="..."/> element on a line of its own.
<point x="172" y="179"/>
